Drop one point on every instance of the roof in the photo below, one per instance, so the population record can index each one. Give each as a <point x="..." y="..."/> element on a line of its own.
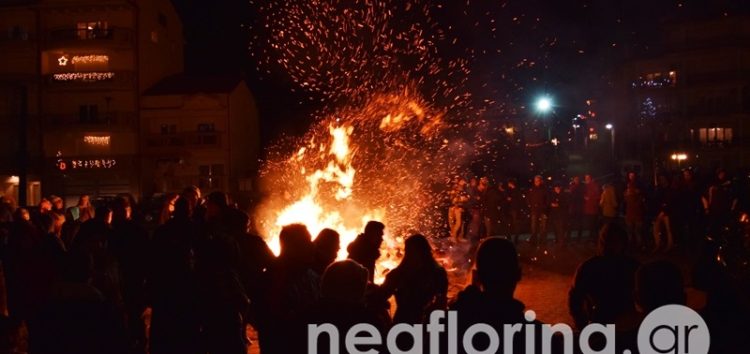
<point x="182" y="84"/>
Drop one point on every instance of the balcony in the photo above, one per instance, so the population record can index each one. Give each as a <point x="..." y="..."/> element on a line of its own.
<point x="112" y="120"/>
<point x="96" y="37"/>
<point x="91" y="80"/>
<point x="190" y="140"/>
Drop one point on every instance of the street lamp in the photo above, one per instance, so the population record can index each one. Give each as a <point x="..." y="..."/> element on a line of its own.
<point x="543" y="106"/>
<point x="679" y="157"/>
<point x="611" y="129"/>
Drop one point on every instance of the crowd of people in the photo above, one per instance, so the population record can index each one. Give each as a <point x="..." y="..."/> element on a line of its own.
<point x="93" y="280"/>
<point x="674" y="210"/>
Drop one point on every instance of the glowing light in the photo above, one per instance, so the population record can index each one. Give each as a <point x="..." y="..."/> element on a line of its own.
<point x="679" y="156"/>
<point x="90" y="59"/>
<point x="96" y="140"/>
<point x="85" y="77"/>
<point x="609" y="126"/>
<point x="544" y="104"/>
<point x="62" y="61"/>
<point x="13" y="179"/>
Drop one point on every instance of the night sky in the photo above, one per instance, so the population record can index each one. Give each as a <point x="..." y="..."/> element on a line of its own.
<point x="520" y="48"/>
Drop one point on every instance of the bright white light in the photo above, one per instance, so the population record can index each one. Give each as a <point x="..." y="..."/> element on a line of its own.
<point x="544" y="104"/>
<point x="609" y="126"/>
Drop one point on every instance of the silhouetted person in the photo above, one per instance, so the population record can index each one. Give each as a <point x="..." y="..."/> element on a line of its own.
<point x="591" y="198"/>
<point x="538" y="199"/>
<point x="492" y="212"/>
<point x="77" y="319"/>
<point x="171" y="285"/>
<point x="22" y="266"/>
<point x="559" y="207"/>
<point x="365" y="249"/>
<point x="223" y="301"/>
<point x="294" y="287"/>
<point x="419" y="283"/>
<point x="83" y="211"/>
<point x="577" y="190"/>
<point x="342" y="303"/>
<point x="603" y="287"/>
<point x="489" y="299"/>
<point x="197" y="209"/>
<point x="635" y="210"/>
<point x="720" y="203"/>
<point x="130" y="246"/>
<point x="609" y="204"/>
<point x="657" y="284"/>
<point x="663" y="205"/>
<point x="327" y="246"/>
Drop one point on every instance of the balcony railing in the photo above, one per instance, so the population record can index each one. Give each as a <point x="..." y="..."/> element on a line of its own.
<point x="96" y="36"/>
<point x="184" y="140"/>
<point x="102" y="120"/>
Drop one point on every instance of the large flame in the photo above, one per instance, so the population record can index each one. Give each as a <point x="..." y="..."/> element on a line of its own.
<point x="325" y="186"/>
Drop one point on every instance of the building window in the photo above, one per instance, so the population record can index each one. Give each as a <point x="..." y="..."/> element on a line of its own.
<point x="206" y="127"/>
<point x="168" y="129"/>
<point x="715" y="136"/>
<point x="18" y="33"/>
<point x="657" y="79"/>
<point x="93" y="30"/>
<point x="88" y="114"/>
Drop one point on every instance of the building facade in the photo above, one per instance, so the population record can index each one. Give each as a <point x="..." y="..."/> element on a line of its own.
<point x="84" y="66"/>
<point x="201" y="131"/>
<point x="690" y="105"/>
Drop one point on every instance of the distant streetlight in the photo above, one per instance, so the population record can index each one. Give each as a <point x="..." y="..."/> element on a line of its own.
<point x="679" y="157"/>
<point x="544" y="104"/>
<point x="611" y="129"/>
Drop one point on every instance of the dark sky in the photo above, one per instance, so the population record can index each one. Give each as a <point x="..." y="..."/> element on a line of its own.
<point x="590" y="40"/>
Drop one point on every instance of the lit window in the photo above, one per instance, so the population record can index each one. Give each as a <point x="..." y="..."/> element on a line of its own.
<point x="93" y="30"/>
<point x="716" y="135"/>
<point x="656" y="80"/>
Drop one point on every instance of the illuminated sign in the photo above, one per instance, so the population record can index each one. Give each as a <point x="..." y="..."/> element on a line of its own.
<point x="90" y="59"/>
<point x="93" y="163"/>
<point x="62" y="61"/>
<point x="96" y="140"/>
<point x="86" y="77"/>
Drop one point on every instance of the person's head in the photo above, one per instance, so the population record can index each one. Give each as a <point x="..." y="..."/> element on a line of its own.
<point x="497" y="266"/>
<point x="57" y="203"/>
<point x="632" y="176"/>
<point x="84" y="201"/>
<point x="22" y="214"/>
<point x="237" y="221"/>
<point x="344" y="281"/>
<point x="576" y="179"/>
<point x="121" y="209"/>
<point x="192" y="195"/>
<point x="461" y="183"/>
<point x="657" y="284"/>
<point x="557" y="188"/>
<point x="103" y="214"/>
<point x="473" y="182"/>
<point x="45" y="205"/>
<point x="512" y="183"/>
<point x="296" y="244"/>
<point x="721" y="174"/>
<point x="538" y="181"/>
<point x="216" y="204"/>
<point x="587" y="178"/>
<point x="327" y="245"/>
<point x="613" y="240"/>
<point x="374" y="231"/>
<point x="182" y="209"/>
<point x="687" y="175"/>
<point x="417" y="252"/>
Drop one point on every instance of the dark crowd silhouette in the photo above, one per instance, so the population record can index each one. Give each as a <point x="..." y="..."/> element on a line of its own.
<point x="94" y="279"/>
